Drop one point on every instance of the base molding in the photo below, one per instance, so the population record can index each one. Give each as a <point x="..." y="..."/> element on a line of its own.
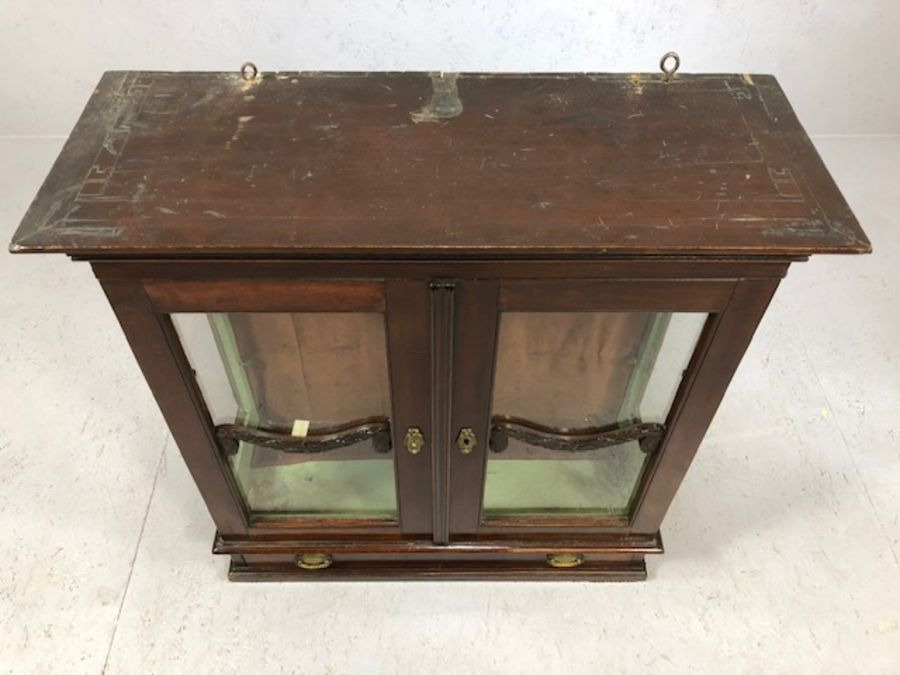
<point x="385" y="570"/>
<point x="601" y="558"/>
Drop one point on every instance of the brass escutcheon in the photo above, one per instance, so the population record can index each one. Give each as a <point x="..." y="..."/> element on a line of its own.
<point x="466" y="440"/>
<point x="414" y="440"/>
<point x="564" y="559"/>
<point x="313" y="561"/>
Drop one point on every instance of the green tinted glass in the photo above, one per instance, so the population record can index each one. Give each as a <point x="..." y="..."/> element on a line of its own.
<point x="288" y="383"/>
<point x="563" y="382"/>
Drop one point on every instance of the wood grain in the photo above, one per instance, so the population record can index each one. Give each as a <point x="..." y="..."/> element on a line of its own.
<point x="334" y="164"/>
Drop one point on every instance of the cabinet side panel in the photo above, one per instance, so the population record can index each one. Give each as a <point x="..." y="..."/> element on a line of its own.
<point x="155" y="346"/>
<point x="708" y="377"/>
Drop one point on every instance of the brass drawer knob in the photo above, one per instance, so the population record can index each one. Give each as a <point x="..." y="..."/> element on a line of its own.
<point x="313" y="561"/>
<point x="466" y="440"/>
<point x="414" y="440"/>
<point x="564" y="559"/>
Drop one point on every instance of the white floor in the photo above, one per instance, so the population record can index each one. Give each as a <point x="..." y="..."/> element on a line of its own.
<point x="783" y="545"/>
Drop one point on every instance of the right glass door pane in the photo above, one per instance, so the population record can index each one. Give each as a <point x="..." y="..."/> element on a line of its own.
<point x="565" y="384"/>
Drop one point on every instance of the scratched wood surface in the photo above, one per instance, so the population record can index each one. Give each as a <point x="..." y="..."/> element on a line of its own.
<point x="412" y="165"/>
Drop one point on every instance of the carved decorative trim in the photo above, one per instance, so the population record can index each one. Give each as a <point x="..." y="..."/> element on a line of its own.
<point x="318" y="440"/>
<point x="649" y="434"/>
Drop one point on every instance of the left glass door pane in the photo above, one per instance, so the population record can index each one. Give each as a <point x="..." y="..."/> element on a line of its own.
<point x="306" y="398"/>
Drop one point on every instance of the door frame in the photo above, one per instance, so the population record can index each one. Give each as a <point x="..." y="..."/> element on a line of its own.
<point x="144" y="307"/>
<point x="734" y="306"/>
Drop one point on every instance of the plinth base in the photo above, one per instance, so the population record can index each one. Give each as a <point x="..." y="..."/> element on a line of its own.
<point x="607" y="558"/>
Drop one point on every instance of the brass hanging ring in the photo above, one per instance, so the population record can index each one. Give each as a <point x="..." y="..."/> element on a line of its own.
<point x="668" y="72"/>
<point x="249" y="71"/>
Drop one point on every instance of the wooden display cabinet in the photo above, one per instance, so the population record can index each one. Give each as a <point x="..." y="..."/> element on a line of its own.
<point x="441" y="326"/>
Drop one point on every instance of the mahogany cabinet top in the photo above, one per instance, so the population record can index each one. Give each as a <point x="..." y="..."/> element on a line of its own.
<point x="391" y="165"/>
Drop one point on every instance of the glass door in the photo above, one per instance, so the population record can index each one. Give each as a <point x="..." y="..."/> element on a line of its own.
<point x="301" y="404"/>
<point x="579" y="403"/>
<point x="301" y="401"/>
<point x="558" y="419"/>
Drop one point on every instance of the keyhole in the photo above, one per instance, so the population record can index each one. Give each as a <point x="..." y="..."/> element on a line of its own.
<point x="465" y="441"/>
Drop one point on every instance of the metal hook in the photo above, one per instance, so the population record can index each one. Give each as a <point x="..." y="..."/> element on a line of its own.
<point x="249" y="71"/>
<point x="669" y="72"/>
